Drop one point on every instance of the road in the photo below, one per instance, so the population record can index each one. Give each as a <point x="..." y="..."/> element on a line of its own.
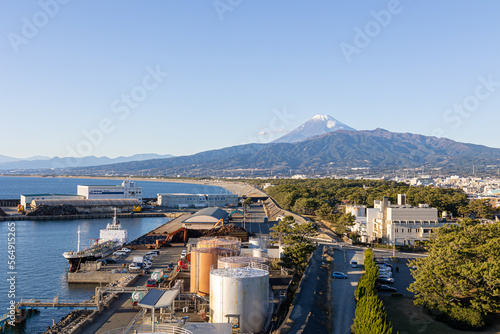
<point x="254" y="221"/>
<point x="343" y="301"/>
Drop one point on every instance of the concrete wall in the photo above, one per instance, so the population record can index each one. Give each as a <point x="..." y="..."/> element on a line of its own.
<point x="94" y="277"/>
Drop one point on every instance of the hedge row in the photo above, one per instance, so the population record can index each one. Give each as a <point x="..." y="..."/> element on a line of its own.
<point x="370" y="315"/>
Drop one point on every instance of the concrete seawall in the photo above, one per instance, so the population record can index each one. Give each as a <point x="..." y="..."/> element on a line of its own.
<point x="92" y="216"/>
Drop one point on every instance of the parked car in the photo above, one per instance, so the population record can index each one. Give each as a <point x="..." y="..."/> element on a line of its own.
<point x="340" y="275"/>
<point x="385" y="280"/>
<point x="386" y="288"/>
<point x="134" y="266"/>
<point x="384" y="274"/>
<point x="126" y="250"/>
<point x="354" y="264"/>
<point x="110" y="260"/>
<point x="120" y="253"/>
<point x="151" y="254"/>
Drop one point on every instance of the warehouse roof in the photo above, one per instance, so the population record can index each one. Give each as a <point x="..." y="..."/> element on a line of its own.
<point x="38" y="195"/>
<point x="212" y="211"/>
<point x="89" y="202"/>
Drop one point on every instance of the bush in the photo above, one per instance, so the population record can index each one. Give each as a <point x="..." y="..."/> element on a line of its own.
<point x="463" y="318"/>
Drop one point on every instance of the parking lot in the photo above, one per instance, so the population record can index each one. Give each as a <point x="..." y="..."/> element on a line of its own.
<point x="167" y="255"/>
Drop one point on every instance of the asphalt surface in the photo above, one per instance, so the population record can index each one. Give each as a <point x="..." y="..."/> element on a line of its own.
<point x="305" y="299"/>
<point x="343" y="301"/>
<point x="120" y="312"/>
<point x="254" y="221"/>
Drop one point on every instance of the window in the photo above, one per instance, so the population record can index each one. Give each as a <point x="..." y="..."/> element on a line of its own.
<point x="409" y="230"/>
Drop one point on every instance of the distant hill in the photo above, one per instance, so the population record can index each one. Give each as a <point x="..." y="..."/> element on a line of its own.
<point x="9" y="163"/>
<point x="318" y="125"/>
<point x="375" y="149"/>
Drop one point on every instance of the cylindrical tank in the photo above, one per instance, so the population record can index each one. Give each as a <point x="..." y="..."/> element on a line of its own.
<point x="201" y="261"/>
<point x="241" y="291"/>
<point x="240" y="261"/>
<point x="259" y="252"/>
<point x="257" y="243"/>
<point x="219" y="242"/>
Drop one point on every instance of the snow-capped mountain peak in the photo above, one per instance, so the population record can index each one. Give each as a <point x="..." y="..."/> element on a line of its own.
<point x="318" y="125"/>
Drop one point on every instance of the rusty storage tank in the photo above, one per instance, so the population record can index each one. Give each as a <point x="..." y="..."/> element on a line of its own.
<point x="240" y="261"/>
<point x="243" y="292"/>
<point x="220" y="242"/>
<point x="201" y="261"/>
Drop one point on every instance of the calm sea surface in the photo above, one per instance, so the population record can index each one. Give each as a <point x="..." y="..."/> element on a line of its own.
<point x="41" y="268"/>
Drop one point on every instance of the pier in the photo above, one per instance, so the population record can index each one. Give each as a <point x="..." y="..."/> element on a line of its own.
<point x="92" y="216"/>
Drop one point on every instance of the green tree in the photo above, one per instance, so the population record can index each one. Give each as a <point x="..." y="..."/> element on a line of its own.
<point x="480" y="208"/>
<point x="296" y="255"/>
<point x="461" y="275"/>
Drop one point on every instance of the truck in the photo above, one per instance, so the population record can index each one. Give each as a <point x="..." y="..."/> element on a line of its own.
<point x="156" y="277"/>
<point x="138" y="259"/>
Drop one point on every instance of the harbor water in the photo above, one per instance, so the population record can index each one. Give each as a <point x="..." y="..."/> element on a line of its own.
<point x="40" y="268"/>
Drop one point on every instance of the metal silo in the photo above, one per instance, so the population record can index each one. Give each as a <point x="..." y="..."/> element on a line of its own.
<point x="257" y="242"/>
<point x="202" y="259"/>
<point x="240" y="261"/>
<point x="243" y="292"/>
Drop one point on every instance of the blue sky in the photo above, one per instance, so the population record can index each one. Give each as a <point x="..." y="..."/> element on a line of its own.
<point x="179" y="77"/>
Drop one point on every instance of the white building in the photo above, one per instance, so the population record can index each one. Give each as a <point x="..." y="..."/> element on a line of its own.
<point x="179" y="201"/>
<point x="359" y="212"/>
<point x="27" y="199"/>
<point x="128" y="189"/>
<point x="400" y="224"/>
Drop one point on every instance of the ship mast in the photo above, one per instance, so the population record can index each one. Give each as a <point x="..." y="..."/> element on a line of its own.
<point x="78" y="248"/>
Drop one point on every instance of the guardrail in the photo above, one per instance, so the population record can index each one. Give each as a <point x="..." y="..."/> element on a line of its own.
<point x="160" y="328"/>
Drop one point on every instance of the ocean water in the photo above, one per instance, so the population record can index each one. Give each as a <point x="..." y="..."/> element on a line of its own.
<point x="12" y="187"/>
<point x="41" y="270"/>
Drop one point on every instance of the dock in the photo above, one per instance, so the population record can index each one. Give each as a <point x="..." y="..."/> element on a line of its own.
<point x="92" y="216"/>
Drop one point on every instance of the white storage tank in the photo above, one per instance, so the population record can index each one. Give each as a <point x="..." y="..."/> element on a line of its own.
<point x="259" y="252"/>
<point x="241" y="261"/>
<point x="257" y="243"/>
<point x="242" y="291"/>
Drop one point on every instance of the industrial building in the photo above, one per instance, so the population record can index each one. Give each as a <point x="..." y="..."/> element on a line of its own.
<point x="179" y="200"/>
<point x="27" y="199"/>
<point x="128" y="189"/>
<point x="401" y="224"/>
<point x="205" y="219"/>
<point x="92" y="205"/>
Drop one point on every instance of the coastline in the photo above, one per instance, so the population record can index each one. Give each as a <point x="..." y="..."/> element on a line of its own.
<point x="239" y="188"/>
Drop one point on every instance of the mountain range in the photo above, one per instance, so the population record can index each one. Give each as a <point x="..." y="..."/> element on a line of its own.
<point x="41" y="162"/>
<point x="321" y="146"/>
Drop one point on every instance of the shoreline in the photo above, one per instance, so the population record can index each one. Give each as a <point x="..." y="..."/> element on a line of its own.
<point x="239" y="188"/>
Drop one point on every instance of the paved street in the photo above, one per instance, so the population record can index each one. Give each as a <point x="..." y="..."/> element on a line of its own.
<point x="343" y="301"/>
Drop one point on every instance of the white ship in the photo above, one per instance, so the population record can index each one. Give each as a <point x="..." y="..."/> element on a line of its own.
<point x="110" y="238"/>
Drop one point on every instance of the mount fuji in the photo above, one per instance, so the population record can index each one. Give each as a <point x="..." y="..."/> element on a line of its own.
<point x="316" y="126"/>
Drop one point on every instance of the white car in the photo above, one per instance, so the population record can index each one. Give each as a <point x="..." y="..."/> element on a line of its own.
<point x="382" y="274"/>
<point x="354" y="264"/>
<point x="126" y="250"/>
<point x="119" y="253"/>
<point x="151" y="255"/>
<point x="134" y="266"/>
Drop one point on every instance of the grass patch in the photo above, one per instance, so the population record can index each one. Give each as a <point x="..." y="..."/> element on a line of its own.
<point x="407" y="318"/>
